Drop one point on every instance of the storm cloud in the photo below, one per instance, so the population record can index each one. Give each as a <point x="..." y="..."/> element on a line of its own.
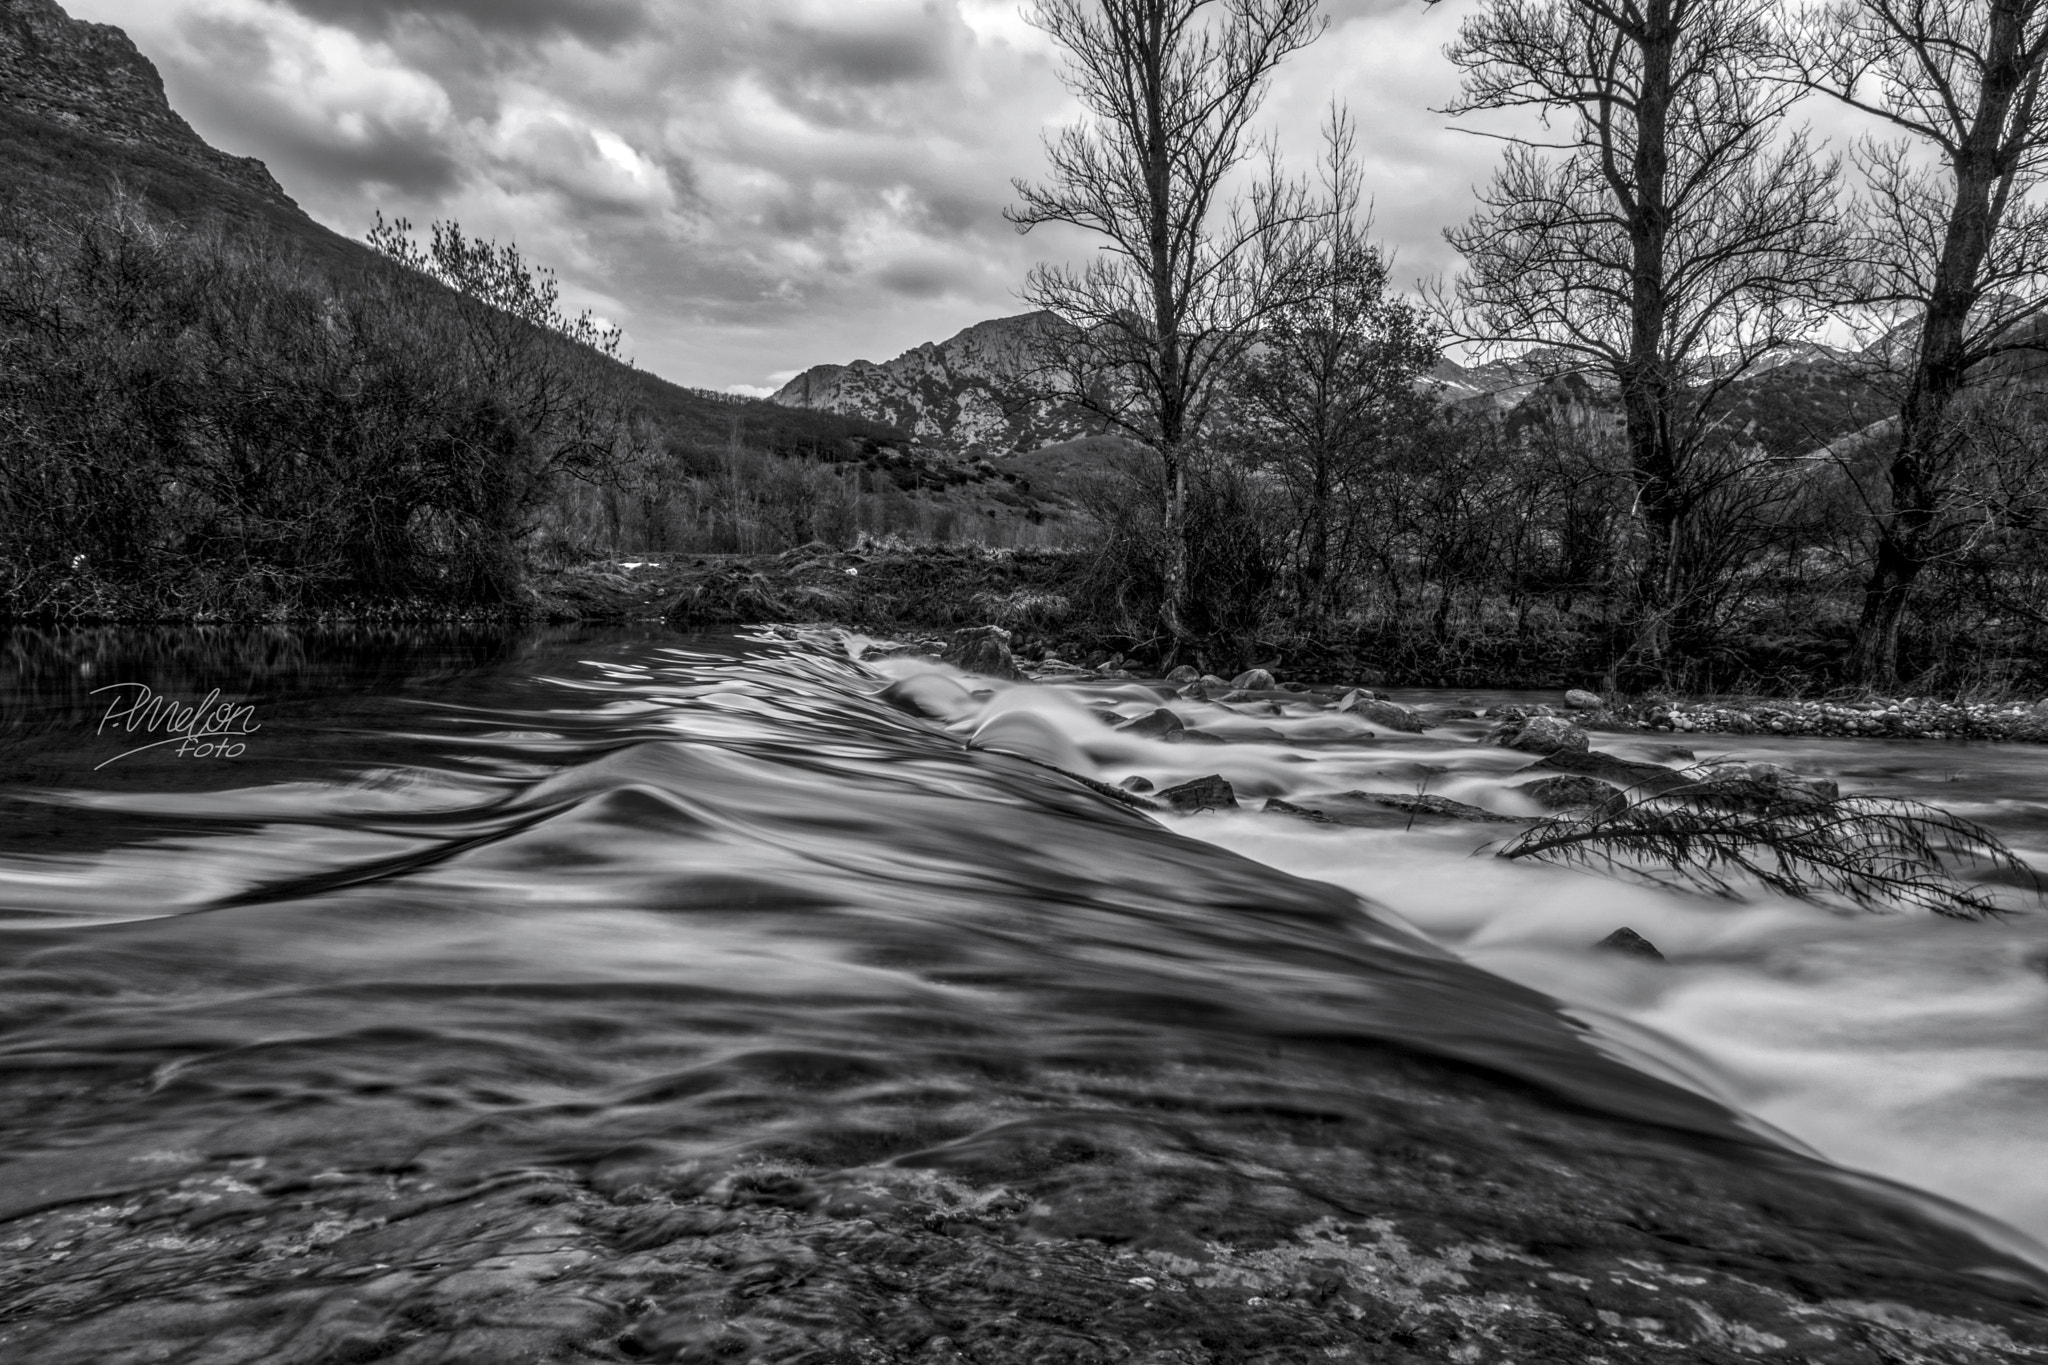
<point x="748" y="186"/>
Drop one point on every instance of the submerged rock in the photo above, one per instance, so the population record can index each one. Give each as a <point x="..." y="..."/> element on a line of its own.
<point x="1276" y="806"/>
<point x="1564" y="793"/>
<point x="1387" y="715"/>
<point x="1393" y="810"/>
<point x="1203" y="793"/>
<point x="1758" y="785"/>
<point x="1134" y="783"/>
<point x="1159" y="723"/>
<point x="1438" y="807"/>
<point x="984" y="650"/>
<point x="1625" y="773"/>
<point x="1627" y="940"/>
<point x="1540" y="735"/>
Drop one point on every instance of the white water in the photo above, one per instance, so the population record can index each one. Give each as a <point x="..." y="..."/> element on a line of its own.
<point x="1904" y="1045"/>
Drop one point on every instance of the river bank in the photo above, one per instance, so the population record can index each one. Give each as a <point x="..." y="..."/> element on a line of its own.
<point x="1052" y="605"/>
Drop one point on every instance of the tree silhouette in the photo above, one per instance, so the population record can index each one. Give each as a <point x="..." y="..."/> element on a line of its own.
<point x="1170" y="301"/>
<point x="1962" y="249"/>
<point x="1669" y="237"/>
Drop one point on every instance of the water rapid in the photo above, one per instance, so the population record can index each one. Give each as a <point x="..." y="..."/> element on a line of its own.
<point x="623" y="998"/>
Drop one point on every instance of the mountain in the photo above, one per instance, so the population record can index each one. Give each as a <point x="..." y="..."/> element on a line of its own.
<point x="90" y="79"/>
<point x="964" y="394"/>
<point x="1509" y="381"/>
<point x="83" y="115"/>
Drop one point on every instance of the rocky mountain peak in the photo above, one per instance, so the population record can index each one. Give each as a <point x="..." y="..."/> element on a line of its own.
<point x="90" y="77"/>
<point x="965" y="393"/>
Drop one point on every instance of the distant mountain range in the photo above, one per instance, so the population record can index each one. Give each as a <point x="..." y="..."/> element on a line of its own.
<point x="965" y="394"/>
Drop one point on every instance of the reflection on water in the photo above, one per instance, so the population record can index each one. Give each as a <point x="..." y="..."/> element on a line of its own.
<point x="502" y="964"/>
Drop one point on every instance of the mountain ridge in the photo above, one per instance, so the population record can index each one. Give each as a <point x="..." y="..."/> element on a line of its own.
<point x="969" y="393"/>
<point x="91" y="78"/>
<point x="965" y="393"/>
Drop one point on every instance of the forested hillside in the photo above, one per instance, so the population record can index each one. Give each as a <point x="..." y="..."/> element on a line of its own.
<point x="215" y="405"/>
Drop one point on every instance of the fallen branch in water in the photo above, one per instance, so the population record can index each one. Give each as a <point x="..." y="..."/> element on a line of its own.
<point x="1870" y="851"/>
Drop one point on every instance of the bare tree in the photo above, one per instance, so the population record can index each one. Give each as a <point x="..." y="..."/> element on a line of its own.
<point x="1334" y="382"/>
<point x="1169" y="302"/>
<point x="1669" y="238"/>
<point x="1961" y="248"/>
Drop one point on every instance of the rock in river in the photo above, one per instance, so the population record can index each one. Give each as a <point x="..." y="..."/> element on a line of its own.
<point x="1159" y="723"/>
<point x="1627" y="940"/>
<point x="1541" y="735"/>
<point x="1204" y="793"/>
<point x="1578" y="699"/>
<point x="1387" y="715"/>
<point x="984" y="650"/>
<point x="1564" y="793"/>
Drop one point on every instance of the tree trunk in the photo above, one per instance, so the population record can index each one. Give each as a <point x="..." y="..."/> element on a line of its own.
<point x="1646" y="381"/>
<point x="1315" y="574"/>
<point x="1908" y="531"/>
<point x="1179" y="538"/>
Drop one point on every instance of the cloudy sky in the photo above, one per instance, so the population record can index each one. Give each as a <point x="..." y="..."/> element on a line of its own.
<point x="748" y="186"/>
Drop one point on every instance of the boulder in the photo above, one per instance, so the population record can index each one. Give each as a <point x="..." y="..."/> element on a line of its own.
<point x="1135" y="783"/>
<point x="1627" y="940"/>
<point x="1357" y="694"/>
<point x="1757" y="786"/>
<point x="1183" y="675"/>
<point x="1540" y="735"/>
<point x="1565" y="793"/>
<point x="1155" y="724"/>
<point x="1454" y="713"/>
<point x="1578" y="699"/>
<point x="1204" y="793"/>
<point x="1387" y="715"/>
<point x="1254" y="680"/>
<point x="984" y="650"/>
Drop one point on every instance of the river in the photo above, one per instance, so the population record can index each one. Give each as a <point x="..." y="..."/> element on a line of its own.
<point x="614" y="995"/>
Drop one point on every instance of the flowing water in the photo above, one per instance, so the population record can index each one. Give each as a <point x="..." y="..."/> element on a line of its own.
<point x="580" y="996"/>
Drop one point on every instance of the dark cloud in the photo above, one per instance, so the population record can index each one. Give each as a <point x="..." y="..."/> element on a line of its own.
<point x="600" y="22"/>
<point x="746" y="185"/>
<point x="917" y="279"/>
<point x="379" y="147"/>
<point x="902" y="49"/>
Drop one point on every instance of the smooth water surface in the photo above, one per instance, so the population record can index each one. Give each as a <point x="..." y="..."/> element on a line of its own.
<point x="656" y="910"/>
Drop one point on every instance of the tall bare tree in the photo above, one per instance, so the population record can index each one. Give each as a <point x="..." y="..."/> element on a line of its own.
<point x="1334" y="385"/>
<point x="1961" y="247"/>
<point x="1167" y="305"/>
<point x="1668" y="235"/>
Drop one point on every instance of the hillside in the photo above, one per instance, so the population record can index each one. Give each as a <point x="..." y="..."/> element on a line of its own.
<point x="82" y="112"/>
